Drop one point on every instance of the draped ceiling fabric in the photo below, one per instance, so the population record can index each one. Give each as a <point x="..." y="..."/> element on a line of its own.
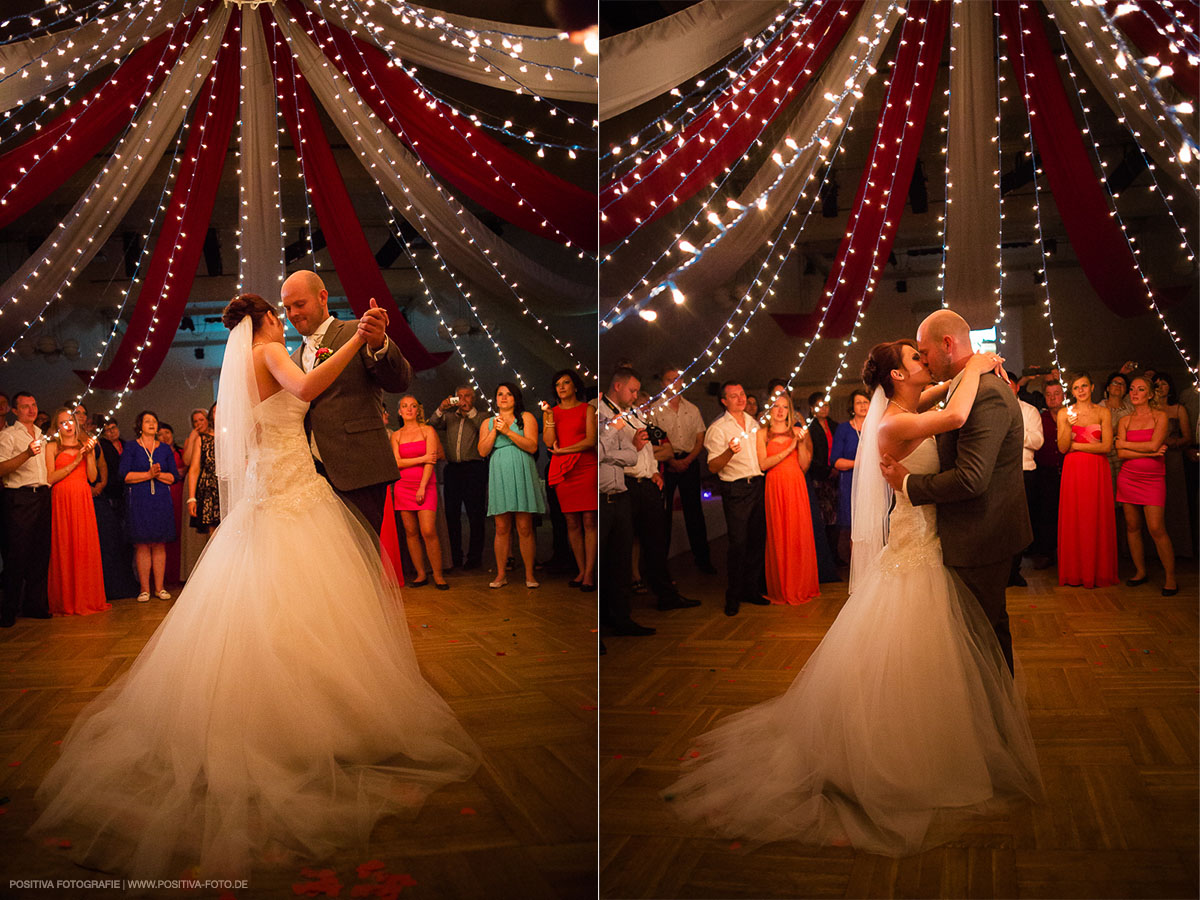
<point x="96" y="43"/>
<point x="440" y="218"/>
<point x="972" y="241"/>
<point x="92" y="220"/>
<point x="1143" y="27"/>
<point x="426" y="47"/>
<point x="720" y="135"/>
<point x="641" y="64"/>
<point x="870" y="29"/>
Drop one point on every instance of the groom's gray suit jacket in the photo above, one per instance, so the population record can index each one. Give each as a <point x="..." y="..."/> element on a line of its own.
<point x="980" y="490"/>
<point x="346" y="418"/>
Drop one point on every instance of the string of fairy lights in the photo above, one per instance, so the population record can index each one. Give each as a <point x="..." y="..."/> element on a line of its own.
<point x="37" y="26"/>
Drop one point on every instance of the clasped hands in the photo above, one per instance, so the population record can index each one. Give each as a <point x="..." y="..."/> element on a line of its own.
<point x="372" y="327"/>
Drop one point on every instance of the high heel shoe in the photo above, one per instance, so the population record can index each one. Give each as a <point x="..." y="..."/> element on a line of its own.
<point x="420" y="582"/>
<point x="574" y="583"/>
<point x="1170" y="592"/>
<point x="532" y="584"/>
<point x="1134" y="582"/>
<point x="499" y="582"/>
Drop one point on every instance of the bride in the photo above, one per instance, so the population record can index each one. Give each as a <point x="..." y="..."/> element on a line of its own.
<point x="277" y="712"/>
<point x="905" y="719"/>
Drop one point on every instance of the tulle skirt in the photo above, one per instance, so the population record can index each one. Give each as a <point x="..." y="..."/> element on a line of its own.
<point x="275" y="715"/>
<point x="904" y="721"/>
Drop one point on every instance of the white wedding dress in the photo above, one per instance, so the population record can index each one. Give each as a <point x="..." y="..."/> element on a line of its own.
<point x="277" y="712"/>
<point x="904" y="721"/>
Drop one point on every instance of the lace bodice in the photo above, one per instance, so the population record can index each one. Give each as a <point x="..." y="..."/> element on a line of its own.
<point x="281" y="474"/>
<point x="912" y="530"/>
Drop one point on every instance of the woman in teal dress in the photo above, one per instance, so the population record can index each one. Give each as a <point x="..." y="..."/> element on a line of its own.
<point x="509" y="442"/>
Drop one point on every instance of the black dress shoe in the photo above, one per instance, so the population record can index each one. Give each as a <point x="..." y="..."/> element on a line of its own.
<point x="44" y="614"/>
<point x="707" y="568"/>
<point x="756" y="600"/>
<point x="731" y="608"/>
<point x="424" y="581"/>
<point x="631" y="629"/>
<point x="677" y="602"/>
<point x="1018" y="581"/>
<point x="472" y="564"/>
<point x="1134" y="582"/>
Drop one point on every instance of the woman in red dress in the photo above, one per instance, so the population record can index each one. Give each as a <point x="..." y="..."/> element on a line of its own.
<point x="1087" y="526"/>
<point x="784" y="453"/>
<point x="414" y="495"/>
<point x="1142" y="482"/>
<point x="569" y="430"/>
<point x="76" y="582"/>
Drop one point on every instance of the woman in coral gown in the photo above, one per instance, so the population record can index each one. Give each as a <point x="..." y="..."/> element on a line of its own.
<point x="569" y="430"/>
<point x="784" y="453"/>
<point x="1087" y="525"/>
<point x="76" y="583"/>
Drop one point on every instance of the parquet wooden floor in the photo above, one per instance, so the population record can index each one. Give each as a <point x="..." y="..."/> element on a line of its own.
<point x="1111" y="679"/>
<point x="517" y="666"/>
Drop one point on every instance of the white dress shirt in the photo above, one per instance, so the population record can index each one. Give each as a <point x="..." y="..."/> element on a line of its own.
<point x="744" y="463"/>
<point x="1034" y="436"/>
<point x="14" y="440"/>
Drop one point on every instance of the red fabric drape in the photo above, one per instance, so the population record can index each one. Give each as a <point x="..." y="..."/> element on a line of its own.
<point x="31" y="172"/>
<point x="164" y="294"/>
<point x="1096" y="237"/>
<point x="654" y="188"/>
<point x="1140" y="29"/>
<point x="876" y="212"/>
<point x="352" y="256"/>
<point x="506" y="183"/>
<point x="389" y="538"/>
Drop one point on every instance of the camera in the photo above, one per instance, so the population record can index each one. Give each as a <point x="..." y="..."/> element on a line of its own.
<point x="656" y="434"/>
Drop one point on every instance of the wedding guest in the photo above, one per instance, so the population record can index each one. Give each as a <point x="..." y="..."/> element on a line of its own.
<point x="1033" y="440"/>
<point x="116" y="553"/>
<point x="75" y="584"/>
<point x="1031" y="378"/>
<point x="1087" y="533"/>
<point x="166" y="435"/>
<point x="843" y="451"/>
<point x="1043" y="501"/>
<point x="1178" y="429"/>
<point x="414" y="444"/>
<point x="681" y="420"/>
<point x="465" y="475"/>
<point x="509" y="439"/>
<point x="7" y="415"/>
<point x="822" y="487"/>
<point x="732" y="457"/>
<point x="148" y="470"/>
<point x="784" y="453"/>
<point x="42" y="421"/>
<point x="26" y="514"/>
<point x="752" y="409"/>
<point x="1142" y="483"/>
<point x="569" y="432"/>
<point x="199" y="455"/>
<point x="1116" y="401"/>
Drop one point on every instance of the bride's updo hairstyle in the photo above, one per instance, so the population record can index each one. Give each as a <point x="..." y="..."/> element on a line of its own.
<point x="244" y="305"/>
<point x="877" y="370"/>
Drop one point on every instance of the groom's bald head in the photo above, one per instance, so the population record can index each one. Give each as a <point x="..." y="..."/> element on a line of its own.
<point x="305" y="300"/>
<point x="944" y="339"/>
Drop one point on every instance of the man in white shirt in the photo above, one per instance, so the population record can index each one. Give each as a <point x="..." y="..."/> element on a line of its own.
<point x="684" y="426"/>
<point x="1031" y="417"/>
<point x="26" y="516"/>
<point x="465" y="477"/>
<point x="732" y="456"/>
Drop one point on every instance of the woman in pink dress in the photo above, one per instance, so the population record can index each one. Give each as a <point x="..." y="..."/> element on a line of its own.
<point x="1142" y="482"/>
<point x="569" y="431"/>
<point x="76" y="583"/>
<point x="784" y="453"/>
<point x="415" y="446"/>
<point x="1087" y="527"/>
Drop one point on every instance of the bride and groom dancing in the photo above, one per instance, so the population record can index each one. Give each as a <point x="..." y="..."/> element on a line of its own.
<point x="278" y="711"/>
<point x="905" y="720"/>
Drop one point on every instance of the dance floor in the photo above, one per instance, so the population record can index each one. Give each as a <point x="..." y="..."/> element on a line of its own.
<point x="517" y="666"/>
<point x="1111" y="681"/>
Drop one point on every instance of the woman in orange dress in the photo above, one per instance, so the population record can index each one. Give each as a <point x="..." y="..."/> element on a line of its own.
<point x="784" y="453"/>
<point x="76" y="582"/>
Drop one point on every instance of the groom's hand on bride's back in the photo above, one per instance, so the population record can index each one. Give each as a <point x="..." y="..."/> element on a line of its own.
<point x="893" y="471"/>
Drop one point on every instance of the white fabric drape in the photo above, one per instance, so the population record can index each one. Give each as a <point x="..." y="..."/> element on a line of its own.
<point x="260" y="266"/>
<point x="973" y="207"/>
<point x="88" y="225"/>
<point x="98" y="43"/>
<point x="721" y="262"/>
<point x="461" y="238"/>
<point x="645" y="62"/>
<point x="425" y="47"/>
<point x="1083" y="26"/>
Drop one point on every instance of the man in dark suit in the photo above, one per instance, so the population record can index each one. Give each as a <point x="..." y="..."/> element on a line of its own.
<point x="349" y="440"/>
<point x="979" y="492"/>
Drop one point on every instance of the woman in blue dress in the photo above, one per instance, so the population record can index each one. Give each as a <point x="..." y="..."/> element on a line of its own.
<point x="843" y="452"/>
<point x="509" y="441"/>
<point x="148" y="470"/>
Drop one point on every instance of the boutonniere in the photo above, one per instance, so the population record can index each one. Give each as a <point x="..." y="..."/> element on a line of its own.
<point x="322" y="354"/>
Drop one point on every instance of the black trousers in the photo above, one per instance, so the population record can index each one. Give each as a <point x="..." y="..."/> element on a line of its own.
<point x="464" y="485"/>
<point x="1030" y="478"/>
<point x="1043" y="510"/>
<point x="645" y="506"/>
<point x="987" y="583"/>
<point x="26" y="552"/>
<point x="616" y="559"/>
<point x="688" y="483"/>
<point x="746" y="523"/>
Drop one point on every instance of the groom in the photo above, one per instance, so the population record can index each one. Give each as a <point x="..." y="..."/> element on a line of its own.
<point x="347" y="434"/>
<point x="979" y="492"/>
